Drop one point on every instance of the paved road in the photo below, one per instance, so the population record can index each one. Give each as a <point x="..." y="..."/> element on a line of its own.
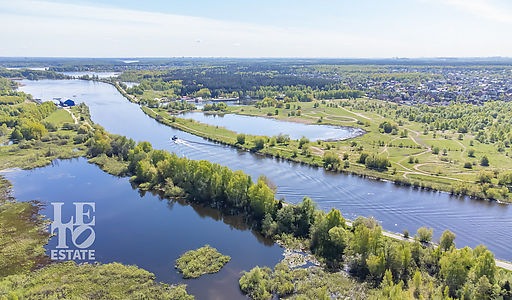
<point x="499" y="263"/>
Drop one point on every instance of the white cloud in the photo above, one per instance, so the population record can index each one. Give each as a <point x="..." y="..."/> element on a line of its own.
<point x="42" y="28"/>
<point x="61" y="29"/>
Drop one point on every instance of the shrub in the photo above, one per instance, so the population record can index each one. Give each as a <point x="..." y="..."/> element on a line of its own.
<point x="484" y="161"/>
<point x="205" y="260"/>
<point x="374" y="161"/>
<point x="259" y="143"/>
<point x="240" y="139"/>
<point x="331" y="160"/>
<point x="424" y="234"/>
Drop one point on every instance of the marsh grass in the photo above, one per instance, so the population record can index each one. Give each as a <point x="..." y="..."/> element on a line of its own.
<point x="205" y="260"/>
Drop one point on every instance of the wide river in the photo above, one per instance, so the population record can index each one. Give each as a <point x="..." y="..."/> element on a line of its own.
<point x="397" y="208"/>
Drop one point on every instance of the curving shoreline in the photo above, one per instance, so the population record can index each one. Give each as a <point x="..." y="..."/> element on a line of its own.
<point x="359" y="170"/>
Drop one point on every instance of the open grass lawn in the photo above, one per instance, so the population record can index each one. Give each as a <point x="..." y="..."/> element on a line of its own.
<point x="436" y="159"/>
<point x="59" y="117"/>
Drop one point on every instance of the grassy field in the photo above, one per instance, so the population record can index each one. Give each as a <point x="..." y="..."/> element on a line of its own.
<point x="443" y="168"/>
<point x="431" y="159"/>
<point x="59" y="117"/>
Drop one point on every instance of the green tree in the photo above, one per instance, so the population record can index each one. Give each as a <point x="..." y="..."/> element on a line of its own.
<point x="259" y="143"/>
<point x="256" y="283"/>
<point x="204" y="92"/>
<point x="484" y="289"/>
<point x="33" y="130"/>
<point x="424" y="234"/>
<point x="240" y="138"/>
<point x="455" y="266"/>
<point x="484" y="161"/>
<point x="268" y="226"/>
<point x="338" y="238"/>
<point x="485" y="176"/>
<point x="331" y="160"/>
<point x="303" y="141"/>
<point x="261" y="199"/>
<point x="416" y="281"/>
<point x="447" y="239"/>
<point x="486" y="266"/>
<point x="16" y="135"/>
<point x="306" y="216"/>
<point x="321" y="242"/>
<point x="376" y="266"/>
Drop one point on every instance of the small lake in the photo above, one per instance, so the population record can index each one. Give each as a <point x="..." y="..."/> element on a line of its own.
<point x="146" y="230"/>
<point x="271" y="127"/>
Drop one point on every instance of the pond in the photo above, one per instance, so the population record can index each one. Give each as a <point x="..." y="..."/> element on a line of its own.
<point x="271" y="127"/>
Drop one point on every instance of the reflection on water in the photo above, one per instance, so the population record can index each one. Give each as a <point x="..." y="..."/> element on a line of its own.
<point x="271" y="127"/>
<point x="145" y="229"/>
<point x="398" y="208"/>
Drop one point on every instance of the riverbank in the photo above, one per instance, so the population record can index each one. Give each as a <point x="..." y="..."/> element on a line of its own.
<point x="162" y="133"/>
<point x="409" y="154"/>
<point x="25" y="269"/>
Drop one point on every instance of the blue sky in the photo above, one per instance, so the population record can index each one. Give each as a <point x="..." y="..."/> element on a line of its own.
<point x="278" y="28"/>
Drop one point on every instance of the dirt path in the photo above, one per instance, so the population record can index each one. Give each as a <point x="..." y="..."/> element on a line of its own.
<point x="317" y="151"/>
<point x="386" y="145"/>
<point x="357" y="114"/>
<point x="463" y="147"/>
<point x="75" y="119"/>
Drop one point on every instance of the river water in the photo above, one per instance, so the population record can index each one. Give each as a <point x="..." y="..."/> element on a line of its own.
<point x="271" y="127"/>
<point x="397" y="208"/>
<point x="145" y="230"/>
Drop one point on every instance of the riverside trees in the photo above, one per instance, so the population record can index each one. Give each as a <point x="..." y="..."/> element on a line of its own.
<point x="369" y="255"/>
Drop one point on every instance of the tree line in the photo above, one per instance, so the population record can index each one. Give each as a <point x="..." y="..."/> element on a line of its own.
<point x="394" y="265"/>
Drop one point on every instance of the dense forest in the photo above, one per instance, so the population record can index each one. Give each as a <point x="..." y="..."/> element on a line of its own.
<point x="252" y="81"/>
<point x="31" y="74"/>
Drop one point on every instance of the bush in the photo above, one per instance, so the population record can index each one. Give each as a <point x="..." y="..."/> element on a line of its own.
<point x="374" y="161"/>
<point x="256" y="283"/>
<point x="484" y="161"/>
<point x="424" y="234"/>
<point x="205" y="260"/>
<point x="303" y="141"/>
<point x="259" y="143"/>
<point x="281" y="139"/>
<point x="485" y="176"/>
<point x="331" y="161"/>
<point x="362" y="158"/>
<point x="240" y="139"/>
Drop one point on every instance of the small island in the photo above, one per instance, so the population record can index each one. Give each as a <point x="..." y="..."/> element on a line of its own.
<point x="205" y="260"/>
